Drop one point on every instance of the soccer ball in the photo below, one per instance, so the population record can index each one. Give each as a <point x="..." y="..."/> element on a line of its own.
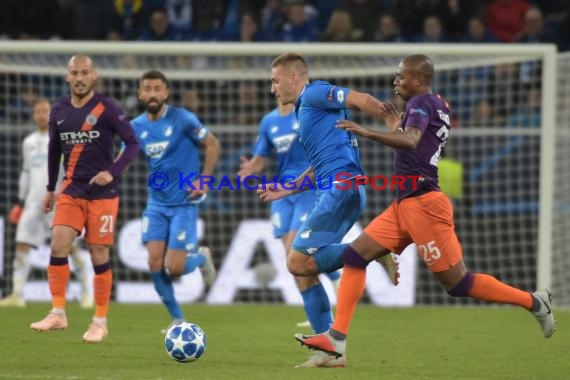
<point x="185" y="342"/>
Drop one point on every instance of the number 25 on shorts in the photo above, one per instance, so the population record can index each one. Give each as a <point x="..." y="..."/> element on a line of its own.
<point x="429" y="252"/>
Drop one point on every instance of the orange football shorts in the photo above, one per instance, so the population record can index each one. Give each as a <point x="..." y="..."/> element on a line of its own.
<point x="427" y="221"/>
<point x="97" y="216"/>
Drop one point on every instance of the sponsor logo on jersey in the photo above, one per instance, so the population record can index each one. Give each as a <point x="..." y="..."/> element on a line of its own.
<point x="156" y="150"/>
<point x="283" y="143"/>
<point x="79" y="137"/>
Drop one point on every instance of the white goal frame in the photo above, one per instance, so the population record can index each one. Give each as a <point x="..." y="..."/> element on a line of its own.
<point x="544" y="52"/>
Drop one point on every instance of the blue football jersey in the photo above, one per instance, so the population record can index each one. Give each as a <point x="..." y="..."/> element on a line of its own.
<point x="330" y="150"/>
<point x="278" y="136"/>
<point x="171" y="148"/>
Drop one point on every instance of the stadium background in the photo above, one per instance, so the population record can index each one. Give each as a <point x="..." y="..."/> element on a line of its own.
<point x="496" y="206"/>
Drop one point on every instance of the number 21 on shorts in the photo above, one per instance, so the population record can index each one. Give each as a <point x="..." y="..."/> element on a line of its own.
<point x="107" y="224"/>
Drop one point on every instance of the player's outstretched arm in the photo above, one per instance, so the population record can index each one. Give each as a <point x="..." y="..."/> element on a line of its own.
<point x="366" y="103"/>
<point x="272" y="192"/>
<point x="408" y="139"/>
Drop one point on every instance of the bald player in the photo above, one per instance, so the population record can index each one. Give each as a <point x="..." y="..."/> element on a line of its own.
<point x="420" y="214"/>
<point x="33" y="225"/>
<point x="82" y="127"/>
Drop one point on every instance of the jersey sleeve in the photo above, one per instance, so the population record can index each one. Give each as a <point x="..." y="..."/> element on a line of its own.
<point x="123" y="146"/>
<point x="326" y="96"/>
<point x="193" y="127"/>
<point x="121" y="126"/>
<point x="419" y="115"/>
<point x="54" y="152"/>
<point x="263" y="146"/>
<point x="24" y="180"/>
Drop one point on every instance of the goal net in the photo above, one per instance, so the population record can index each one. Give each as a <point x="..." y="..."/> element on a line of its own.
<point x="560" y="263"/>
<point x="498" y="166"/>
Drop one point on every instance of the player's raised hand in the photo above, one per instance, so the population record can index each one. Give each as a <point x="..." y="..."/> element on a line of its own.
<point x="102" y="178"/>
<point x="244" y="167"/>
<point x="48" y="202"/>
<point x="391" y="115"/>
<point x="351" y="126"/>
<point x="271" y="192"/>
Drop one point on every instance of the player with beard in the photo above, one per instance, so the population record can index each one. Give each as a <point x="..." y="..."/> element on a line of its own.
<point x="82" y="127"/>
<point x="170" y="139"/>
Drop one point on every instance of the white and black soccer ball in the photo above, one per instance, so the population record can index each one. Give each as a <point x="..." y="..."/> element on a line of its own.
<point x="185" y="342"/>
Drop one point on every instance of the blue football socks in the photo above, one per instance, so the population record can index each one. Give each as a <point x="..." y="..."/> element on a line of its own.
<point x="317" y="308"/>
<point x="165" y="290"/>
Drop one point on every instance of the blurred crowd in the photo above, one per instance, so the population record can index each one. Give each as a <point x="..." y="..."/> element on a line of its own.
<point x="522" y="21"/>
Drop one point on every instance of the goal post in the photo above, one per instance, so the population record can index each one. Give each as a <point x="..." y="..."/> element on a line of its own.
<point x="507" y="204"/>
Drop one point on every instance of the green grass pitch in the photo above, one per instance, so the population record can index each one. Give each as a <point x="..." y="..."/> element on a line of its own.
<point x="256" y="342"/>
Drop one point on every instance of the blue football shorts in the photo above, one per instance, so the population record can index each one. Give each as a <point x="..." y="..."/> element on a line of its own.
<point x="289" y="213"/>
<point x="176" y="225"/>
<point x="333" y="216"/>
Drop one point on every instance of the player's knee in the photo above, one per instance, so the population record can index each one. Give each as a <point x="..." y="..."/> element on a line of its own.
<point x="463" y="287"/>
<point x="299" y="264"/>
<point x="292" y="266"/>
<point x="174" y="271"/>
<point x="154" y="263"/>
<point x="99" y="253"/>
<point x="59" y="248"/>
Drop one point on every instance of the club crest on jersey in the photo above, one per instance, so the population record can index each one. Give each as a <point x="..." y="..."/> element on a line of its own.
<point x="168" y="131"/>
<point x="91" y="119"/>
<point x="144" y="135"/>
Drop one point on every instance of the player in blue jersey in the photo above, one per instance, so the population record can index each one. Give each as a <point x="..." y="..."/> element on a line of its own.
<point x="420" y="214"/>
<point x="278" y="137"/>
<point x="170" y="139"/>
<point x="333" y="157"/>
